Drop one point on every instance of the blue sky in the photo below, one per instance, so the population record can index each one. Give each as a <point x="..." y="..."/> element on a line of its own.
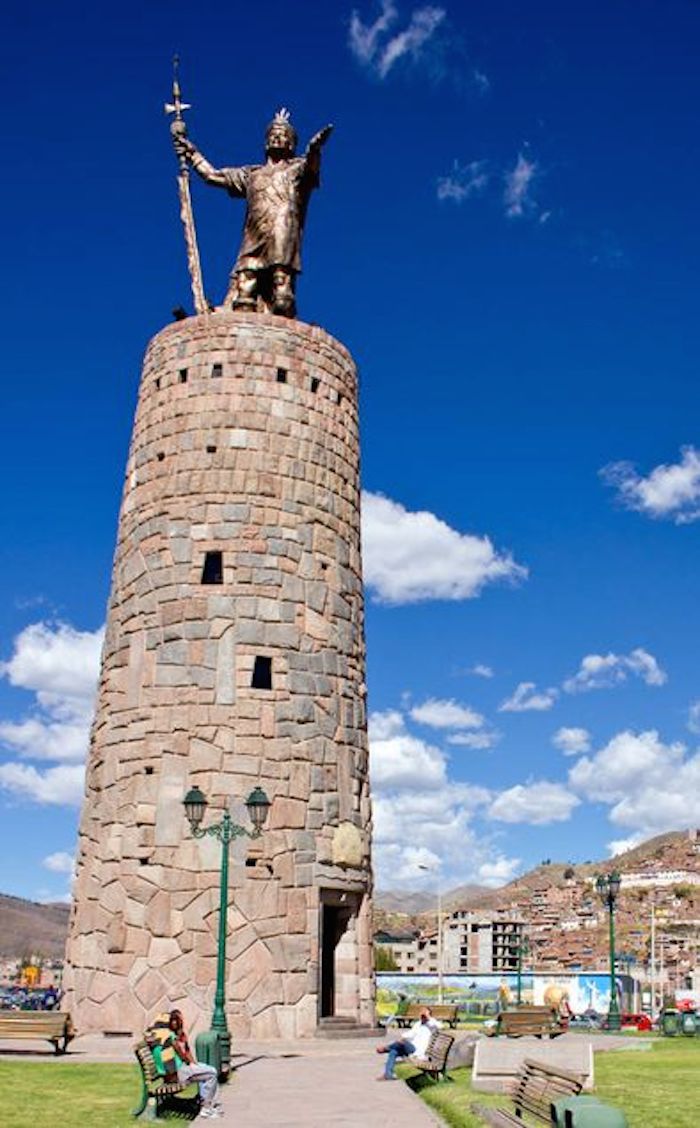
<point x="507" y="239"/>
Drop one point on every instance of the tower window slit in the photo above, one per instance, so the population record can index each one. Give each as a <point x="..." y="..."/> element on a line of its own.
<point x="211" y="449"/>
<point x="262" y="673"/>
<point x="281" y="375"/>
<point x="157" y="381"/>
<point x="213" y="570"/>
<point x="217" y="370"/>
<point x="183" y="375"/>
<point x="315" y="384"/>
<point x="161" y="455"/>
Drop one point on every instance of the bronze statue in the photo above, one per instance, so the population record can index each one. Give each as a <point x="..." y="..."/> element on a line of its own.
<point x="277" y="194"/>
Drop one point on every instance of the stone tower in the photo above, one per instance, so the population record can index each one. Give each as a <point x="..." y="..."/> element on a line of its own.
<point x="234" y="656"/>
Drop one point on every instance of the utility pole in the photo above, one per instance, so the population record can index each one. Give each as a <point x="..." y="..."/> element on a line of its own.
<point x="652" y="959"/>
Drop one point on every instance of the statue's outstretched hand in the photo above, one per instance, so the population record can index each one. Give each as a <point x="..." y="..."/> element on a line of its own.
<point x="181" y="143"/>
<point x="320" y="138"/>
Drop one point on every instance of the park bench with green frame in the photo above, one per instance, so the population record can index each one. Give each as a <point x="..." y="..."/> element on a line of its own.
<point x="53" y="1026"/>
<point x="156" y="1089"/>
<point x="537" y="1087"/>
<point x="444" y="1012"/>
<point x="529" y="1020"/>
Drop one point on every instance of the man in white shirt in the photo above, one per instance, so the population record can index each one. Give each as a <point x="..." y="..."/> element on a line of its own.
<point x="414" y="1041"/>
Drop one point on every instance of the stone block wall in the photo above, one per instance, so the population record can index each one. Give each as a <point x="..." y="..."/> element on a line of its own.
<point x="245" y="443"/>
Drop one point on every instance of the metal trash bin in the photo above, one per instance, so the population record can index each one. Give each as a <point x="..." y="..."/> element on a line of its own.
<point x="670" y="1023"/>
<point x="587" y="1112"/>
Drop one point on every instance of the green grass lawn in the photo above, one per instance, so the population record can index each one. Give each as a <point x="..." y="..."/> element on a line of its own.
<point x="657" y="1088"/>
<point x="68" y="1095"/>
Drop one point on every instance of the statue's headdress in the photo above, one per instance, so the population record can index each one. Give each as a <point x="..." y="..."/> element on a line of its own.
<point x="281" y="120"/>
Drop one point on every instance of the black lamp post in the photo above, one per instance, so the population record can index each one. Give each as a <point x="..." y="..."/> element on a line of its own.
<point x="608" y="888"/>
<point x="195" y="804"/>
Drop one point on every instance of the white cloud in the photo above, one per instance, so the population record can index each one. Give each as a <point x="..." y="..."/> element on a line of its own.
<point x="58" y="786"/>
<point x="409" y="557"/>
<point x="572" y="741"/>
<point x="379" y="50"/>
<point x="481" y="81"/>
<point x="498" y="872"/>
<point x="446" y="714"/>
<point x="60" y="666"/>
<point x="60" y="862"/>
<point x="400" y="760"/>
<point x="526" y="699"/>
<point x="649" y="786"/>
<point x="517" y="196"/>
<point x="622" y="845"/>
<point x="694" y="717"/>
<point x="465" y="181"/>
<point x="671" y="491"/>
<point x="603" y="671"/>
<point x="536" y="803"/>
<point x="487" y="738"/>
<point x="481" y="671"/>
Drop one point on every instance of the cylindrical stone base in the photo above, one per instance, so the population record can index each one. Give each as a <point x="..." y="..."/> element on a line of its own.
<point x="234" y="656"/>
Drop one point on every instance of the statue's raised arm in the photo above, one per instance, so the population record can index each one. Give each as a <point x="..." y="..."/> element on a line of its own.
<point x="277" y="194"/>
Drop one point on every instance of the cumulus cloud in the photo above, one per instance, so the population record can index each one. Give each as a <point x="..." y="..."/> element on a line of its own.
<point x="603" y="671"/>
<point x="517" y="193"/>
<point x="650" y="786"/>
<point x="668" y="491"/>
<point x="484" y="739"/>
<point x="59" y="862"/>
<point x="422" y="817"/>
<point x="622" y="845"/>
<point x="536" y="803"/>
<point x="481" y="671"/>
<point x="572" y="741"/>
<point x="409" y="557"/>
<point x="58" y="786"/>
<point x="446" y="714"/>
<point x="694" y="717"/>
<point x="525" y="699"/>
<point x="463" y="182"/>
<point x="60" y="666"/>
<point x="380" y="45"/>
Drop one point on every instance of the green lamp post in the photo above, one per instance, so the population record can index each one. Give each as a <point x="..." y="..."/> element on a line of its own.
<point x="523" y="950"/>
<point x="608" y="888"/>
<point x="195" y="805"/>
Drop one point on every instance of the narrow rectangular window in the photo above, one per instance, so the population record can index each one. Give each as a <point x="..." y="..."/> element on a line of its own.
<point x="211" y="449"/>
<point x="183" y="375"/>
<point x="213" y="570"/>
<point x="281" y="375"/>
<point x="262" y="673"/>
<point x="157" y="381"/>
<point x="217" y="370"/>
<point x="315" y="383"/>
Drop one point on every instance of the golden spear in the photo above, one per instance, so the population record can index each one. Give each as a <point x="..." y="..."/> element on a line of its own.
<point x="179" y="129"/>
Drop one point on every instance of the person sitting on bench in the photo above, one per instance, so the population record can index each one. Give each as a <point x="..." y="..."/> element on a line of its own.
<point x="173" y="1057"/>
<point x="414" y="1041"/>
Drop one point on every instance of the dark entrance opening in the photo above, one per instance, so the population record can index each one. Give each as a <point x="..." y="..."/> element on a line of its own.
<point x="330" y="934"/>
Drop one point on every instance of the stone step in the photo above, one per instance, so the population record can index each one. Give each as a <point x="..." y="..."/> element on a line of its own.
<point x="346" y="1028"/>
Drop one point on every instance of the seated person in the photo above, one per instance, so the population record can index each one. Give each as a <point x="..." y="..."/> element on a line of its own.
<point x="174" y="1059"/>
<point x="414" y="1041"/>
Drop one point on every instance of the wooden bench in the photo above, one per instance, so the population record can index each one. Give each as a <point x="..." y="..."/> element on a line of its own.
<point x="156" y="1091"/>
<point x="434" y="1061"/>
<point x="444" y="1012"/>
<point x="534" y="1091"/>
<point x="529" y="1020"/>
<point x="53" y="1026"/>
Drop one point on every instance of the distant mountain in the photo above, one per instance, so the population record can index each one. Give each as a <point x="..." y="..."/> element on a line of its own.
<point x="28" y="928"/>
<point x="669" y="851"/>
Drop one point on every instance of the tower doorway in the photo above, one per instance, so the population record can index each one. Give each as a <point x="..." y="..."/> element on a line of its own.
<point x="338" y="973"/>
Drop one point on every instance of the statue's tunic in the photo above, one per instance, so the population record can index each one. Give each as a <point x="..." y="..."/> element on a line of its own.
<point x="277" y="194"/>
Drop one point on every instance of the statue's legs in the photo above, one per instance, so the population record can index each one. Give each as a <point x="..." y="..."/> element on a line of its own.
<point x="283" y="302"/>
<point x="242" y="291"/>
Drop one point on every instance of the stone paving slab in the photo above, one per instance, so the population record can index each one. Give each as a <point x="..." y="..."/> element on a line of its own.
<point x="314" y="1090"/>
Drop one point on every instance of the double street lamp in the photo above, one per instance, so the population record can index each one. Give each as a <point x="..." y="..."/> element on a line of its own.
<point x="195" y="804"/>
<point x="608" y="888"/>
